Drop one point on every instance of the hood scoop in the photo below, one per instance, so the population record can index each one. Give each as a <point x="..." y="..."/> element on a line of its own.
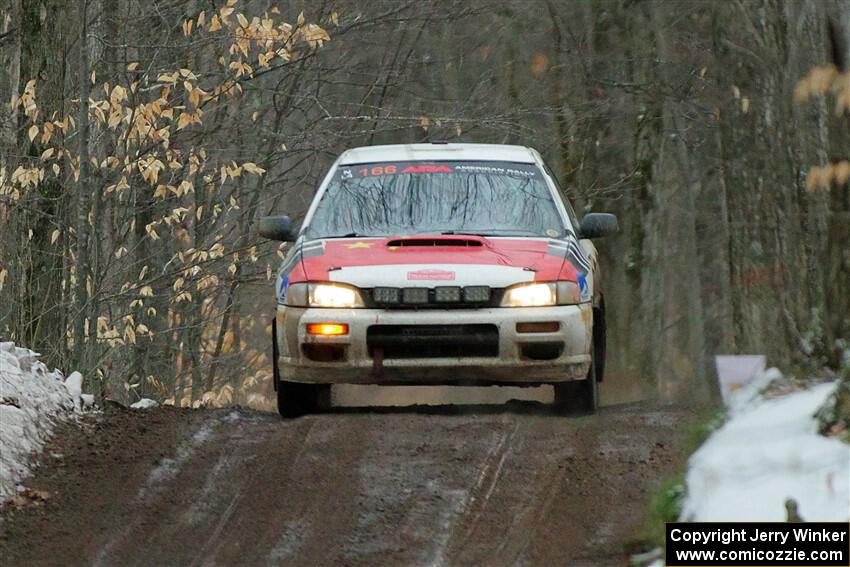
<point x="431" y="242"/>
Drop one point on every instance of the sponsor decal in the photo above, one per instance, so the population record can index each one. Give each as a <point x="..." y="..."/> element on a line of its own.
<point x="443" y="275"/>
<point x="427" y="169"/>
<point x="282" y="287"/>
<point x="356" y="245"/>
<point x="583" y="288"/>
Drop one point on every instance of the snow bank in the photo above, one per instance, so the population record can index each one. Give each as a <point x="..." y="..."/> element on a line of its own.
<point x="767" y="452"/>
<point x="144" y="403"/>
<point x="32" y="401"/>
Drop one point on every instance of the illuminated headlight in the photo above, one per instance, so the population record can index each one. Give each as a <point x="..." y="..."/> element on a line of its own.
<point x="541" y="294"/>
<point x="530" y="295"/>
<point x="323" y="295"/>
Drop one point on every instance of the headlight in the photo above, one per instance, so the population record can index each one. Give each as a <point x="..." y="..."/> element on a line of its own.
<point x="323" y="295"/>
<point x="541" y="294"/>
<point x="530" y="295"/>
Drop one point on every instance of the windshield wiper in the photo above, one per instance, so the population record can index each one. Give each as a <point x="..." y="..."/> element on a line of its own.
<point x="349" y="235"/>
<point x="495" y="233"/>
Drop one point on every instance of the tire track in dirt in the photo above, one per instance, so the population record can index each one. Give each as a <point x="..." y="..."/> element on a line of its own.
<point x="467" y="486"/>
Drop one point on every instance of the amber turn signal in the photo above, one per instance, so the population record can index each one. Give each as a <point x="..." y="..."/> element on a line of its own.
<point x="327" y="329"/>
<point x="547" y="327"/>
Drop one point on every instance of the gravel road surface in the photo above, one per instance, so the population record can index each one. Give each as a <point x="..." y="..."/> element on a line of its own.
<point x="470" y="485"/>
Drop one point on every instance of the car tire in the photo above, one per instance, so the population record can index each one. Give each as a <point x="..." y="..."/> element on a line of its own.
<point x="579" y="397"/>
<point x="295" y="399"/>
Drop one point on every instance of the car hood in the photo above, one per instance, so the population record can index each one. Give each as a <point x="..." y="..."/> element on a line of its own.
<point x="430" y="261"/>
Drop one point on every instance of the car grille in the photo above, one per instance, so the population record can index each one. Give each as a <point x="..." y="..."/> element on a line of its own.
<point x="432" y="341"/>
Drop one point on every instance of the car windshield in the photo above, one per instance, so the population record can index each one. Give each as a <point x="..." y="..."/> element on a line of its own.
<point x="388" y="199"/>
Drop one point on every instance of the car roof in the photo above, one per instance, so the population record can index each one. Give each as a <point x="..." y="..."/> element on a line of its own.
<point x="437" y="152"/>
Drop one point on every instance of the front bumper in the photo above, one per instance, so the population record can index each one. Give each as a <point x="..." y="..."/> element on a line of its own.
<point x="511" y="366"/>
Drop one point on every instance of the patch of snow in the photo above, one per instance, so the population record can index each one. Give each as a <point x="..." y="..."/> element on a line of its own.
<point x="32" y="401"/>
<point x="144" y="403"/>
<point x="169" y="467"/>
<point x="767" y="452"/>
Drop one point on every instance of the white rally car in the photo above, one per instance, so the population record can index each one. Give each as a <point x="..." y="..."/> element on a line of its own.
<point x="439" y="264"/>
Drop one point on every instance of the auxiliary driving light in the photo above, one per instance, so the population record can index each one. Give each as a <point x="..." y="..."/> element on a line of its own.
<point x="327" y="329"/>
<point x="385" y="295"/>
<point x="447" y="294"/>
<point x="476" y="293"/>
<point x="415" y="295"/>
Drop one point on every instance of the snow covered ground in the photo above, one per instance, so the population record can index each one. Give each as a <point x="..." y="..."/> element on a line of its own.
<point x="767" y="452"/>
<point x="32" y="401"/>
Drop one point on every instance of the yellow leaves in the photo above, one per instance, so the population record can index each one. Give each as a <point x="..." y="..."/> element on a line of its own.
<point x="217" y="250"/>
<point x="182" y="296"/>
<point x="243" y="21"/>
<point x="187" y="27"/>
<point x="745" y="104"/>
<point x="169" y="78"/>
<point x="240" y="68"/>
<point x="120" y="186"/>
<point x="151" y="232"/>
<point x="314" y="35"/>
<point x="26" y="177"/>
<point x="118" y="95"/>
<point x="55" y="236"/>
<point x="47" y="132"/>
<point x="207" y="281"/>
<point x="133" y="66"/>
<point x="32" y="132"/>
<point x="826" y="176"/>
<point x="215" y="23"/>
<point x="253" y="168"/>
<point x="28" y="102"/>
<point x="46" y="154"/>
<point x="178" y="284"/>
<point x="149" y="168"/>
<point x="3" y="274"/>
<point x="202" y="18"/>
<point x="188" y="118"/>
<point x="129" y="334"/>
<point x="819" y="81"/>
<point x="184" y="188"/>
<point x="146" y="291"/>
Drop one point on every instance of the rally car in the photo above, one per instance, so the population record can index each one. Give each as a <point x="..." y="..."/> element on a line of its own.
<point x="439" y="264"/>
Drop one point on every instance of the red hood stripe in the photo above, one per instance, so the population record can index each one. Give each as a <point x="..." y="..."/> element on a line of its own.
<point x="520" y="252"/>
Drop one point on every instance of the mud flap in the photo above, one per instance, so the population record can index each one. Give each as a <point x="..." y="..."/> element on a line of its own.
<point x="378" y="362"/>
<point x="275" y="369"/>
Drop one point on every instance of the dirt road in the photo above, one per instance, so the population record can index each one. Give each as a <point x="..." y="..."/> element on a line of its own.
<point x="503" y="485"/>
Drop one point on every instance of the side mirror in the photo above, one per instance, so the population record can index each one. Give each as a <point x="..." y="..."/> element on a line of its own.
<point x="596" y="225"/>
<point x="277" y="228"/>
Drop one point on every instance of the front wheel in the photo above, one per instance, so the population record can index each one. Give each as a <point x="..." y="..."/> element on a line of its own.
<point x="579" y="397"/>
<point x="295" y="399"/>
